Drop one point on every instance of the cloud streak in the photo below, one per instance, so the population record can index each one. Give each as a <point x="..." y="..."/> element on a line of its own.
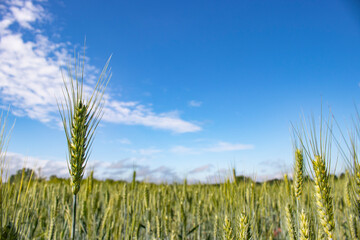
<point x="218" y="147"/>
<point x="225" y="147"/>
<point x="205" y="168"/>
<point x="31" y="79"/>
<point x="194" y="103"/>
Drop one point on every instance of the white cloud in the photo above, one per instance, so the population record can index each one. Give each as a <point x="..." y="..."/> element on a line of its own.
<point x="15" y="161"/>
<point x="31" y="79"/>
<point x="25" y="12"/>
<point x="133" y="113"/>
<point x="225" y="147"/>
<point x="194" y="103"/>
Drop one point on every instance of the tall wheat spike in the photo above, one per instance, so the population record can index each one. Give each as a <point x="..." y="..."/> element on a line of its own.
<point x="80" y="118"/>
<point x="299" y="171"/>
<point x="323" y="198"/>
<point x="317" y="147"/>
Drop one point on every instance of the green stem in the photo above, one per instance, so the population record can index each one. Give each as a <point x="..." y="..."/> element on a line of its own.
<point x="74" y="218"/>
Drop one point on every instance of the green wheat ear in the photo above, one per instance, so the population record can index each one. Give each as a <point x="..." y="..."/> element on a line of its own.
<point x="299" y="171"/>
<point x="304" y="226"/>
<point x="290" y="222"/>
<point x="323" y="196"/>
<point x="228" y="231"/>
<point x="80" y="118"/>
<point x="244" y="227"/>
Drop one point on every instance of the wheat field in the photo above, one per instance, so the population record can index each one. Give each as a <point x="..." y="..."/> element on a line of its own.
<point x="242" y="209"/>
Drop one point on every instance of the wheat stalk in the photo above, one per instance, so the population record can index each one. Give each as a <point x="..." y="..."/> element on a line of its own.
<point x="80" y="118"/>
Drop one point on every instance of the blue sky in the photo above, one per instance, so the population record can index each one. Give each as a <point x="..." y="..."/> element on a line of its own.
<point x="197" y="87"/>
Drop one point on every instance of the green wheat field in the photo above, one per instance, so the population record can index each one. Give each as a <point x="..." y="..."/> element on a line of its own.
<point x="242" y="209"/>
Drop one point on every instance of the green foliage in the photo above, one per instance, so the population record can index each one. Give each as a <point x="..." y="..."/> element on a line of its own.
<point x="9" y="232"/>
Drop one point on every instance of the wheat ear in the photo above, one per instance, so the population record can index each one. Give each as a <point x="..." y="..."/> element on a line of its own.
<point x="290" y="222"/>
<point x="244" y="227"/>
<point x="80" y="118"/>
<point x="299" y="171"/>
<point x="228" y="231"/>
<point x="304" y="226"/>
<point x="353" y="227"/>
<point x="323" y="198"/>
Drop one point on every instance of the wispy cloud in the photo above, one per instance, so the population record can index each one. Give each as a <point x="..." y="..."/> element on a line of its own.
<point x="133" y="113"/>
<point x="219" y="176"/>
<point x="124" y="168"/>
<point x="31" y="79"/>
<point x="205" y="168"/>
<point x="225" y="147"/>
<point x="194" y="103"/>
<point x="23" y="12"/>
<point x="159" y="174"/>
<point x="274" y="164"/>
<point x="218" y="147"/>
